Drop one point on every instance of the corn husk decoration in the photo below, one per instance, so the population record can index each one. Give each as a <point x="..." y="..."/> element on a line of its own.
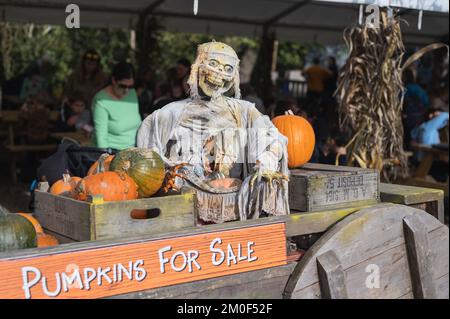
<point x="370" y="94"/>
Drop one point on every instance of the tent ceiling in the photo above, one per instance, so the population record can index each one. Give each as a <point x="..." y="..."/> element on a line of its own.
<point x="298" y="20"/>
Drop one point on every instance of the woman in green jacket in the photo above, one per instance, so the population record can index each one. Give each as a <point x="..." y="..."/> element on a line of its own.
<point x="116" y="110"/>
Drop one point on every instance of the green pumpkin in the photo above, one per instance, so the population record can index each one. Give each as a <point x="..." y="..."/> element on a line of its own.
<point x="16" y="232"/>
<point x="144" y="166"/>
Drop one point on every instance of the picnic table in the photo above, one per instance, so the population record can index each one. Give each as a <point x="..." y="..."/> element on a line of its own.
<point x="430" y="154"/>
<point x="81" y="137"/>
<point x="11" y="118"/>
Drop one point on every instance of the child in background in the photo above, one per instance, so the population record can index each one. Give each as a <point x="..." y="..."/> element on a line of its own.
<point x="75" y="116"/>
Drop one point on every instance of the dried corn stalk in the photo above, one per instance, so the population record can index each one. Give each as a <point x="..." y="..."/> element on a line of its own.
<point x="370" y="93"/>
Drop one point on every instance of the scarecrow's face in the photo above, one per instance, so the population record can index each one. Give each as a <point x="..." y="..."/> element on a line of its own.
<point x="216" y="73"/>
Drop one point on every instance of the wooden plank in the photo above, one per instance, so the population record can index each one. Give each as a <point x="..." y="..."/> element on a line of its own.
<point x="212" y="254"/>
<point x="429" y="199"/>
<point x="408" y="195"/>
<point x="298" y="223"/>
<point x="65" y="216"/>
<point x="259" y="284"/>
<point x="436" y="209"/>
<point x="420" y="182"/>
<point x="416" y="240"/>
<point x="112" y="219"/>
<point x="331" y="276"/>
<point x="31" y="148"/>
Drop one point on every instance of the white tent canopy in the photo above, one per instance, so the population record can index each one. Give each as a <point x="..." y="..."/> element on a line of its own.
<point x="321" y="21"/>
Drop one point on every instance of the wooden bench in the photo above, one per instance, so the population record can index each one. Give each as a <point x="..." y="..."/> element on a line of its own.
<point x="14" y="150"/>
<point x="428" y="199"/>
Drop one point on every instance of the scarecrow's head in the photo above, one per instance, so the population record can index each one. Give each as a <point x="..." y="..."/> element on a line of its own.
<point x="215" y="71"/>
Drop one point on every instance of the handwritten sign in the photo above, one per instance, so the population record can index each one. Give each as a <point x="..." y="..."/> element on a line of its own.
<point x="101" y="271"/>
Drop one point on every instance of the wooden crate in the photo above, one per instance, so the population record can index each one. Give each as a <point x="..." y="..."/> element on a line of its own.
<point x="315" y="187"/>
<point x="73" y="220"/>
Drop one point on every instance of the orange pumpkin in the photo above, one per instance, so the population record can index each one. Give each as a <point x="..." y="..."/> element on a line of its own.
<point x="300" y="135"/>
<point x="46" y="240"/>
<point x="113" y="186"/>
<point x="101" y="165"/>
<point x="65" y="185"/>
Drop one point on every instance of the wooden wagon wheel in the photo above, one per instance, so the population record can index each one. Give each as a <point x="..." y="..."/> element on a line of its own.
<point x="385" y="251"/>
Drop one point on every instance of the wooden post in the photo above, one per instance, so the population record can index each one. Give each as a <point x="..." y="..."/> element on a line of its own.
<point x="416" y="240"/>
<point x="331" y="276"/>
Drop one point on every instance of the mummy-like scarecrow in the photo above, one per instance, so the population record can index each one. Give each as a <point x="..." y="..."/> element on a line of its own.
<point x="220" y="146"/>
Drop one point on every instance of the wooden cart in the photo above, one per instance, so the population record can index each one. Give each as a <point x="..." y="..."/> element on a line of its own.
<point x="377" y="250"/>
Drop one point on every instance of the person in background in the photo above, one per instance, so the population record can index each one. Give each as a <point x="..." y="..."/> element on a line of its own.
<point x="316" y="76"/>
<point x="34" y="117"/>
<point x="331" y="83"/>
<point x="116" y="110"/>
<point x="413" y="89"/>
<point x="439" y="99"/>
<point x="284" y="105"/>
<point x="88" y="78"/>
<point x="427" y="133"/>
<point x="333" y="151"/>
<point x="415" y="105"/>
<point x="36" y="81"/>
<point x="165" y="97"/>
<point x="249" y="94"/>
<point x="145" y="93"/>
<point x="183" y="69"/>
<point x="75" y="117"/>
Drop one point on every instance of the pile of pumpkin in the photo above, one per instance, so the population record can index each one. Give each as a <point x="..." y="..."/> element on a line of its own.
<point x="130" y="174"/>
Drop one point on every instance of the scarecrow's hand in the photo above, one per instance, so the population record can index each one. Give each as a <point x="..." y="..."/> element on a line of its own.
<point x="268" y="176"/>
<point x="171" y="174"/>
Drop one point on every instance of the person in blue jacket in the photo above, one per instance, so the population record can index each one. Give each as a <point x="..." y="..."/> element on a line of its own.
<point x="427" y="133"/>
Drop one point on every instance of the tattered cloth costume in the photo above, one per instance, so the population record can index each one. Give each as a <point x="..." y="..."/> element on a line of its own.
<point x="221" y="137"/>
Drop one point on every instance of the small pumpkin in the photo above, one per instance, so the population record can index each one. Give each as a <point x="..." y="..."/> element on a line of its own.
<point x="101" y="165"/>
<point x="113" y="186"/>
<point x="46" y="240"/>
<point x="300" y="135"/>
<point x="144" y="166"/>
<point x="16" y="232"/>
<point x="65" y="186"/>
<point x="43" y="239"/>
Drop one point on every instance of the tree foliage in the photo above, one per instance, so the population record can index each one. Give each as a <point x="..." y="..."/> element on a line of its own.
<point x="156" y="48"/>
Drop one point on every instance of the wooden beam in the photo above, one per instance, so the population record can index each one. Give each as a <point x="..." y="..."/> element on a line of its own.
<point x="417" y="248"/>
<point x="331" y="276"/>
<point x="285" y="13"/>
<point x="152" y="7"/>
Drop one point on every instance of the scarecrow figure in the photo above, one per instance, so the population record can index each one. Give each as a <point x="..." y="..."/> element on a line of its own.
<point x="220" y="146"/>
